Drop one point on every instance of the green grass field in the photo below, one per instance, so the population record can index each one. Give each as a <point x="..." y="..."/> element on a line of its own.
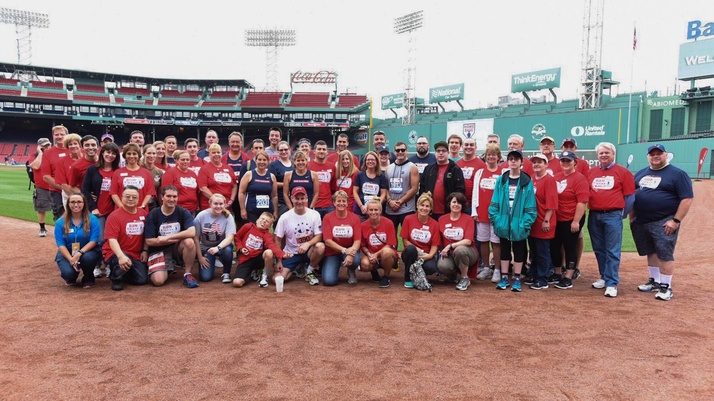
<point x="16" y="202"/>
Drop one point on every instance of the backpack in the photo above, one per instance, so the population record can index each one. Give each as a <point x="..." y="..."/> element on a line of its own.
<point x="418" y="276"/>
<point x="30" y="174"/>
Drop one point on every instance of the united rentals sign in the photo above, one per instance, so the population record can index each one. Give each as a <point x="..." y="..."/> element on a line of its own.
<point x="536" y="80"/>
<point x="321" y="77"/>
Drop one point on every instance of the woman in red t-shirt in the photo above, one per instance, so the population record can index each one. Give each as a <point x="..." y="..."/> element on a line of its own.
<point x="216" y="178"/>
<point x="484" y="183"/>
<point x="133" y="174"/>
<point x="573" y="195"/>
<point x="421" y="238"/>
<point x="457" y="233"/>
<point x="345" y="175"/>
<point x="184" y="180"/>
<point x="542" y="230"/>
<point x="341" y="231"/>
<point x="378" y="242"/>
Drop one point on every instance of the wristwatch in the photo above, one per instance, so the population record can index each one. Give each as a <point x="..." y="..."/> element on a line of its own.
<point x="344" y="251"/>
<point x="218" y="247"/>
<point x="676" y="220"/>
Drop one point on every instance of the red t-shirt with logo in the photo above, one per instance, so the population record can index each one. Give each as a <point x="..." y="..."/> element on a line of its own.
<point x="256" y="241"/>
<point x="346" y="183"/>
<point x="572" y="189"/>
<point x="376" y="239"/>
<point x="332" y="159"/>
<point x="195" y="165"/>
<point x="469" y="168"/>
<point x="140" y="178"/>
<point x="324" y="171"/>
<point x="62" y="171"/>
<point x="105" y="204"/>
<point x="421" y="235"/>
<point x="456" y="230"/>
<point x="219" y="180"/>
<point x="344" y="231"/>
<point x="128" y="230"/>
<point x="608" y="188"/>
<point x="553" y="167"/>
<point x="37" y="174"/>
<point x="187" y="185"/>
<point x="50" y="162"/>
<point x="484" y="183"/>
<point x="546" y="199"/>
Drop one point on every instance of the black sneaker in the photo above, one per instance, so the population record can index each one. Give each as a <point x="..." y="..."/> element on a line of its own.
<point x="529" y="281"/>
<point x="375" y="276"/>
<point x="576" y="274"/>
<point x="554" y="278"/>
<point x="384" y="282"/>
<point x="117" y="285"/>
<point x="538" y="286"/>
<point x="564" y="283"/>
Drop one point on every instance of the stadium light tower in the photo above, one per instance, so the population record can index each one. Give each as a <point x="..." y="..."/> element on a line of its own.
<point x="272" y="40"/>
<point x="24" y="21"/>
<point x="591" y="87"/>
<point x="409" y="24"/>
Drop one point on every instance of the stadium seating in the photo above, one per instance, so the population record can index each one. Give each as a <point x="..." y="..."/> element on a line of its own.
<point x="350" y="101"/>
<point x="47" y="85"/>
<point x="314" y="99"/>
<point x="219" y="103"/>
<point x="89" y="88"/>
<point x="262" y="99"/>
<point x="91" y="98"/>
<point x="179" y="103"/>
<point x="133" y="92"/>
<point x="9" y="82"/>
<point x="11" y="92"/>
<point x="176" y="94"/>
<point x="224" y="95"/>
<point x="47" y="95"/>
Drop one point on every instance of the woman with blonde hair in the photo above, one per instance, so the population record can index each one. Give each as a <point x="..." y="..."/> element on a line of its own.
<point x="148" y="161"/>
<point x="77" y="236"/>
<point x="345" y="175"/>
<point x="421" y="238"/>
<point x="215" y="230"/>
<point x="215" y="177"/>
<point x="184" y="180"/>
<point x="161" y="156"/>
<point x="378" y="243"/>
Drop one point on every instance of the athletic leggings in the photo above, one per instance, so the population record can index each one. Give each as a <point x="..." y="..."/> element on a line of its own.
<point x="519" y="250"/>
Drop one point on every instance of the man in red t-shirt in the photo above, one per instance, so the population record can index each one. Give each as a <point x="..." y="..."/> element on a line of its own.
<point x="191" y="145"/>
<point x="49" y="168"/>
<point x="469" y="164"/>
<point x="547" y="148"/>
<point x="41" y="197"/>
<point x="124" y="249"/>
<point x="441" y="179"/>
<point x="612" y="194"/>
<point x="78" y="169"/>
<point x="324" y="171"/>
<point x="343" y="142"/>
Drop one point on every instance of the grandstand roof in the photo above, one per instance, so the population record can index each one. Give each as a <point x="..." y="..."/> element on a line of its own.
<point x="114" y="77"/>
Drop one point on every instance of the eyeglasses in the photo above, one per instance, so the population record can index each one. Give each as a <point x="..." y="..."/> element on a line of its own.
<point x="442" y="150"/>
<point x="513" y="159"/>
<point x="399" y="150"/>
<point x="283" y="150"/>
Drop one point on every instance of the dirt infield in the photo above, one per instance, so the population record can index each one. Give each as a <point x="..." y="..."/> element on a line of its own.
<point x="356" y="342"/>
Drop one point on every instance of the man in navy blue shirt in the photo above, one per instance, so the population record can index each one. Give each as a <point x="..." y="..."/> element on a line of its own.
<point x="663" y="197"/>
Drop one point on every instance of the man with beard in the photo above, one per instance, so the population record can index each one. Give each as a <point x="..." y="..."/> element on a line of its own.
<point x="422" y="158"/>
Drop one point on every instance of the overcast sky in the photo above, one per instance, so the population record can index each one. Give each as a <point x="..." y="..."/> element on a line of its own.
<point x="480" y="44"/>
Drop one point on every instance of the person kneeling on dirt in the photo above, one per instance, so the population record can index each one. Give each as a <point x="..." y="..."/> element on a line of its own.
<point x="257" y="250"/>
<point x="379" y="243"/>
<point x="300" y="231"/>
<point x="124" y="241"/>
<point x="169" y="234"/>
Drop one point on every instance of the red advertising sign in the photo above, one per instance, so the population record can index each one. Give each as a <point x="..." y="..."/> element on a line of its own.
<point x="320" y="77"/>
<point x="702" y="156"/>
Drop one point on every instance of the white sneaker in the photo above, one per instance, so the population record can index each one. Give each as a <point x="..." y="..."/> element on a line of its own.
<point x="310" y="278"/>
<point x="43" y="233"/>
<point x="264" y="281"/>
<point x="611" y="292"/>
<point x="496" y="277"/>
<point x="97" y="272"/>
<point x="484" y="274"/>
<point x="218" y="263"/>
<point x="225" y="278"/>
<point x="107" y="271"/>
<point x="600" y="284"/>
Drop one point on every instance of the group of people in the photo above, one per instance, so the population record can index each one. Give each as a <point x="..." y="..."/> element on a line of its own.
<point x="145" y="211"/>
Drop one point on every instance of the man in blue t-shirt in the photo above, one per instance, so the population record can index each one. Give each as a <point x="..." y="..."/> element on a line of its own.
<point x="422" y="158"/>
<point x="664" y="195"/>
<point x="169" y="233"/>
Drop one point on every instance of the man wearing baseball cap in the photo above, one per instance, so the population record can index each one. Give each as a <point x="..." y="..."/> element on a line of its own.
<point x="572" y="145"/>
<point x="547" y="149"/>
<point x="662" y="199"/>
<point x="301" y="228"/>
<point x="106" y="138"/>
<point x="41" y="197"/>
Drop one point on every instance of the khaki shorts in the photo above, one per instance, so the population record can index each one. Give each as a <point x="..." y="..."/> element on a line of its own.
<point x="41" y="200"/>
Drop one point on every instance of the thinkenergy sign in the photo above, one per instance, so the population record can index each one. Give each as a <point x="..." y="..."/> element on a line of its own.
<point x="536" y="80"/>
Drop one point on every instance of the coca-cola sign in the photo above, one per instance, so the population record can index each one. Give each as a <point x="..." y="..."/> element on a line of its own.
<point x="320" y="77"/>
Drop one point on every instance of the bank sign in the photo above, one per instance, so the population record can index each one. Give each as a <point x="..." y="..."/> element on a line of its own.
<point x="393" y="101"/>
<point x="696" y="60"/>
<point x="446" y="93"/>
<point x="536" y="80"/>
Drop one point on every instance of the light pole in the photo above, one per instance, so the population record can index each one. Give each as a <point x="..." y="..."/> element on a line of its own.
<point x="271" y="40"/>
<point x="409" y="24"/>
<point x="24" y="21"/>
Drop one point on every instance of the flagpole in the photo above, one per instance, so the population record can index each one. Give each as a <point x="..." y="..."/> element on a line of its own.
<point x="632" y="68"/>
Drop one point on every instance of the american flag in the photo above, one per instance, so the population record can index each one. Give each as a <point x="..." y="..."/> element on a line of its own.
<point x="634" y="40"/>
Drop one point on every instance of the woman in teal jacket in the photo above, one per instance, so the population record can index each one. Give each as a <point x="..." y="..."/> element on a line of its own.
<point x="512" y="212"/>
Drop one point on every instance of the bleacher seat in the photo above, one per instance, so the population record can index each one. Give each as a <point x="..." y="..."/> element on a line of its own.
<point x="47" y="85"/>
<point x="91" y="98"/>
<point x="224" y="94"/>
<point x="133" y="92"/>
<point x="89" y="88"/>
<point x="314" y="99"/>
<point x="179" y="103"/>
<point x="186" y="94"/>
<point x="262" y="99"/>
<point x="47" y="95"/>
<point x="350" y="101"/>
<point x="9" y="82"/>
<point x="10" y="92"/>
<point x="219" y="104"/>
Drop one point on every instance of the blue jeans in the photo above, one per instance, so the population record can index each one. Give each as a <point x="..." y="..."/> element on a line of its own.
<point x="606" y="236"/>
<point x="324" y="210"/>
<point x="86" y="265"/>
<point x="331" y="268"/>
<point x="541" y="264"/>
<point x="137" y="274"/>
<point x="226" y="257"/>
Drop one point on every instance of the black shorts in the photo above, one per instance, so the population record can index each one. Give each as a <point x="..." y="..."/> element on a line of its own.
<point x="244" y="269"/>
